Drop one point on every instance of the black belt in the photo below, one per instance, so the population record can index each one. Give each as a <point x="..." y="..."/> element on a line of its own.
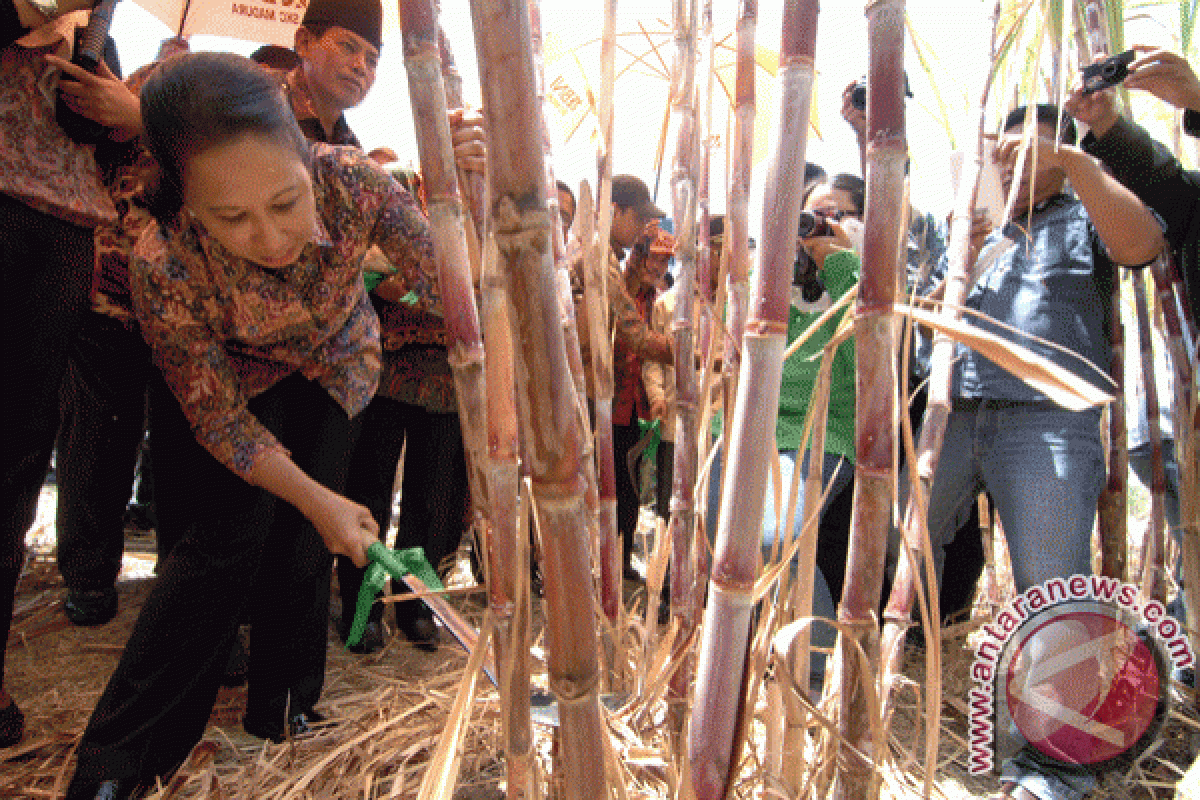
<point x="972" y="404"/>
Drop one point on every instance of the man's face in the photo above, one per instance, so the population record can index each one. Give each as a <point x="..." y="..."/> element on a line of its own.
<point x="627" y="225"/>
<point x="1047" y="180"/>
<point x="566" y="211"/>
<point x="339" y="65"/>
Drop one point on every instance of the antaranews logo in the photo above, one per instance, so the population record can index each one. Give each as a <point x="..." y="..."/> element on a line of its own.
<point x="1078" y="670"/>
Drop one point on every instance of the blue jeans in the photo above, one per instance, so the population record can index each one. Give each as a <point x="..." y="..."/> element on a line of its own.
<point x="834" y="468"/>
<point x="1045" y="470"/>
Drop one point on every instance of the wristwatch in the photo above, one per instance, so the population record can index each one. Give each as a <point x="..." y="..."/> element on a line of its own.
<point x="47" y="8"/>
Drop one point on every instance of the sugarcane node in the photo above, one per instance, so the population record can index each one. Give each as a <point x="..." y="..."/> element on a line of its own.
<point x="557" y="495"/>
<point x="764" y="328"/>
<point x="575" y="691"/>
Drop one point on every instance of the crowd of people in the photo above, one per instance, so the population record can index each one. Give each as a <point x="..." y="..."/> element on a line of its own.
<point x="230" y="304"/>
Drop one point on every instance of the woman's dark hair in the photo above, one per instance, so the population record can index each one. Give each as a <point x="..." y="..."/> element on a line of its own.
<point x="196" y="101"/>
<point x="855" y="186"/>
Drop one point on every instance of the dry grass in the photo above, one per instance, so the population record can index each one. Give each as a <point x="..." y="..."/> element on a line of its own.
<point x="387" y="711"/>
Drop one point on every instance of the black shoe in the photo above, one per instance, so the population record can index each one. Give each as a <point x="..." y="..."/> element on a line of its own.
<point x="12" y="725"/>
<point x="91" y="607"/>
<point x="371" y="641"/>
<point x="419" y="628"/>
<point x="298" y="724"/>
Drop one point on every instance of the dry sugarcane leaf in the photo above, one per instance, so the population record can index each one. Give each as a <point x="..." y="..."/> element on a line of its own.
<point x="1058" y="384"/>
<point x="442" y="773"/>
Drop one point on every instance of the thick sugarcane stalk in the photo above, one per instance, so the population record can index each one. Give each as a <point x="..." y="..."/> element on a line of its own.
<point x="1172" y="305"/>
<point x="508" y="544"/>
<point x="876" y="402"/>
<point x="1153" y="583"/>
<point x="720" y="674"/>
<point x="898" y="614"/>
<point x="737" y="216"/>
<point x="684" y="185"/>
<point x="436" y="152"/>
<point x="477" y="407"/>
<point x="548" y="415"/>
<point x="1112" y="510"/>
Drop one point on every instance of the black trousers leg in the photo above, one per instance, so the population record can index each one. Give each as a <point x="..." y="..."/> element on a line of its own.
<point x="664" y="466"/>
<point x="102" y="423"/>
<point x="434" y="488"/>
<point x="158" y="700"/>
<point x="625" y="438"/>
<point x="290" y="621"/>
<point x="45" y="284"/>
<point x="370" y="481"/>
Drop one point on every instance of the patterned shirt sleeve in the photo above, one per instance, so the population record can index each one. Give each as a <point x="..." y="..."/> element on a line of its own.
<point x="192" y="358"/>
<point x="394" y="222"/>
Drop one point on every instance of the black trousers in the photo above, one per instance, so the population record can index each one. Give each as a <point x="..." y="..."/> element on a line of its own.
<point x="243" y="545"/>
<point x="45" y="285"/>
<point x="664" y="473"/>
<point x="103" y="419"/>
<point x="434" y="494"/>
<point x="625" y="438"/>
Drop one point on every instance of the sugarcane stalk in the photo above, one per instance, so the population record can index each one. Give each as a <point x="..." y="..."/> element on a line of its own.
<point x="876" y="402"/>
<point x="508" y="544"/>
<point x="1112" y="507"/>
<point x="737" y="241"/>
<point x="522" y="229"/>
<point x="898" y="614"/>
<point x="684" y="180"/>
<point x="1153" y="584"/>
<point x="720" y="675"/>
<point x="1172" y="305"/>
<point x="474" y="186"/>
<point x="596" y="260"/>
<point x="488" y="420"/>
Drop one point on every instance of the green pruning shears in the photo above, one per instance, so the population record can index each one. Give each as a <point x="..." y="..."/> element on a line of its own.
<point x="384" y="562"/>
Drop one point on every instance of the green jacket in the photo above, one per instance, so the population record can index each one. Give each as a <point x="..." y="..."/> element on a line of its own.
<point x="840" y="274"/>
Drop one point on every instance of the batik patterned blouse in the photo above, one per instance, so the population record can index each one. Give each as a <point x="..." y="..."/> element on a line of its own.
<point x="39" y="164"/>
<point x="223" y="330"/>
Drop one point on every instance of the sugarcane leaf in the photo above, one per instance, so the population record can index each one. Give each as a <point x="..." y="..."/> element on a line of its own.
<point x="1060" y="385"/>
<point x="442" y="773"/>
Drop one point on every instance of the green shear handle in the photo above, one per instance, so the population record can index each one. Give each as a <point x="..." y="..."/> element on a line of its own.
<point x="384" y="562"/>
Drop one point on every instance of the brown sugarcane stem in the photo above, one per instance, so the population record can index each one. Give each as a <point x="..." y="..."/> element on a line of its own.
<point x="720" y="673"/>
<point x="958" y="284"/>
<point x="508" y="547"/>
<point x="684" y="181"/>
<point x="1153" y="583"/>
<point x="737" y="233"/>
<point x="876" y="385"/>
<point x="548" y="411"/>
<point x="604" y="510"/>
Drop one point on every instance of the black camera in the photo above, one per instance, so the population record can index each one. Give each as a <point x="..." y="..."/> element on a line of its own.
<point x="806" y="277"/>
<point x="1109" y="72"/>
<point x="858" y="95"/>
<point x="813" y="223"/>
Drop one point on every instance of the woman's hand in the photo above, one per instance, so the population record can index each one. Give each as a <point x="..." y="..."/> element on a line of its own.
<point x="819" y="247"/>
<point x="346" y="527"/>
<point x="102" y="97"/>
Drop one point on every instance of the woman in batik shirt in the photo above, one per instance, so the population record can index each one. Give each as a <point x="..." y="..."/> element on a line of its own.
<point x="249" y="292"/>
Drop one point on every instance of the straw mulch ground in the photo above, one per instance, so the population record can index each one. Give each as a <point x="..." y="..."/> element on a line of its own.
<point x="387" y="712"/>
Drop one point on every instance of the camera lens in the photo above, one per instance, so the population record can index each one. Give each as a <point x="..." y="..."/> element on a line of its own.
<point x="858" y="97"/>
<point x="812" y="223"/>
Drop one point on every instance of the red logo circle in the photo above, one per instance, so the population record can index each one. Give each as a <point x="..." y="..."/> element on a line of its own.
<point x="1082" y="685"/>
